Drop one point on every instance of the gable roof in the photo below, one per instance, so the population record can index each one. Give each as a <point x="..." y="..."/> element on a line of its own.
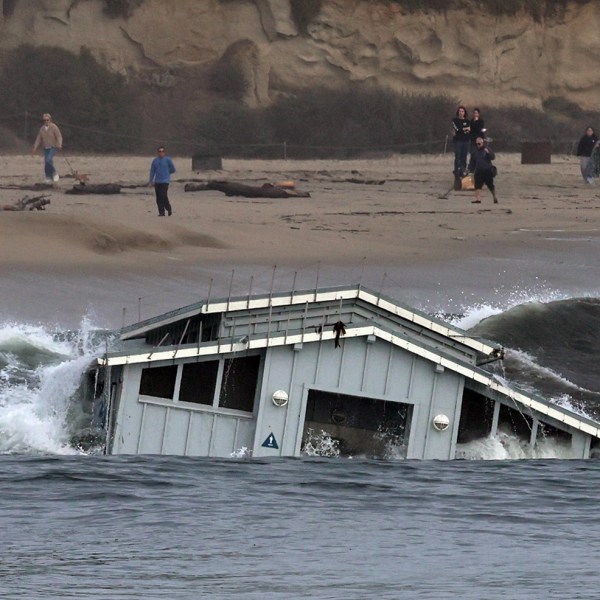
<point x="308" y="297"/>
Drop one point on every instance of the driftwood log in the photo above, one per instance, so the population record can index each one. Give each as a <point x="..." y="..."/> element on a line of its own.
<point x="34" y="187"/>
<point x="27" y="203"/>
<point x="267" y="190"/>
<point x="98" y="188"/>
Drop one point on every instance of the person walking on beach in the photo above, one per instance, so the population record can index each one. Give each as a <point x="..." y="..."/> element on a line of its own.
<point x="483" y="169"/>
<point x="50" y="139"/>
<point x="584" y="150"/>
<point x="161" y="169"/>
<point x="461" y="128"/>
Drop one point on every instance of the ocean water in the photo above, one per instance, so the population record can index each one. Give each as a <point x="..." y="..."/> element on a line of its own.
<point x="77" y="524"/>
<point x="156" y="527"/>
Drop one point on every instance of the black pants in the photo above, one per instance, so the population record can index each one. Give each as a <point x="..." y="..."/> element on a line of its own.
<point x="484" y="177"/>
<point x="162" y="198"/>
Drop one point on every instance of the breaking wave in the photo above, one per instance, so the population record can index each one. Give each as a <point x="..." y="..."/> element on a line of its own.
<point x="552" y="348"/>
<point x="40" y="376"/>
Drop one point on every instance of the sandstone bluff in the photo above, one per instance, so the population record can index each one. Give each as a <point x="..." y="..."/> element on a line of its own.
<point x="507" y="59"/>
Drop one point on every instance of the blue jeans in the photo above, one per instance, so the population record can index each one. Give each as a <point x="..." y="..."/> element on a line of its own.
<point x="586" y="166"/>
<point x="49" y="169"/>
<point x="461" y="149"/>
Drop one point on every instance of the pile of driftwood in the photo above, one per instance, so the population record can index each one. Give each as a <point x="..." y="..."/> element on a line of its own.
<point x="27" y="203"/>
<point x="81" y="188"/>
<point x="267" y="190"/>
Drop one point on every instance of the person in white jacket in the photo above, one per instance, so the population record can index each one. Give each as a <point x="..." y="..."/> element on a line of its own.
<point x="50" y="139"/>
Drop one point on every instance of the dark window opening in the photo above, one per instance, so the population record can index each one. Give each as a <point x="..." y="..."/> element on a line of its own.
<point x="513" y="421"/>
<point x="210" y="328"/>
<point x="158" y="381"/>
<point x="476" y="417"/>
<point x="198" y="382"/>
<point x="238" y="387"/>
<point x="186" y="331"/>
<point x="549" y="431"/>
<point x="355" y="425"/>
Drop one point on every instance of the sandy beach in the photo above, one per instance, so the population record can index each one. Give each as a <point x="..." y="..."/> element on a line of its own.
<point x="380" y="221"/>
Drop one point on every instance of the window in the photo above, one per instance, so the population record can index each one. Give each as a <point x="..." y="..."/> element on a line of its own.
<point x="158" y="381"/>
<point x="238" y="388"/>
<point x="198" y="382"/>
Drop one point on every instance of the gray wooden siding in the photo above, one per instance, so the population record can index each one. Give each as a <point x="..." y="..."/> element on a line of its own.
<point x="361" y="367"/>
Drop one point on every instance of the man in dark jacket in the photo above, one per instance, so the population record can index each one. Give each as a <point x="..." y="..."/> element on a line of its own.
<point x="584" y="150"/>
<point x="483" y="169"/>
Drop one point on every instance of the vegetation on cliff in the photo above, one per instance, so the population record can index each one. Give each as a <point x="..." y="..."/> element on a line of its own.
<point x="363" y="120"/>
<point x="120" y="8"/>
<point x="538" y="9"/>
<point x="95" y="108"/>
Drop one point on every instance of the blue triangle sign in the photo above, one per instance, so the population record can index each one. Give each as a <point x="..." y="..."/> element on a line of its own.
<point x="270" y="442"/>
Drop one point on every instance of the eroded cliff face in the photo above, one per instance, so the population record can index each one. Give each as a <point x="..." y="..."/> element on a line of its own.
<point x="472" y="56"/>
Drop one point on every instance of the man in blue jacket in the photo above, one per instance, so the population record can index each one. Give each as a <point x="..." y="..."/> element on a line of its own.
<point x="160" y="175"/>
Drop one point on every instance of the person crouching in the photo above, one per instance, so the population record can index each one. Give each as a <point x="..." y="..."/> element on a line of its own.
<point x="483" y="169"/>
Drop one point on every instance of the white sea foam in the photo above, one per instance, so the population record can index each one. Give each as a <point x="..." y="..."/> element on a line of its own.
<point x="42" y="373"/>
<point x="504" y="446"/>
<point x="242" y="452"/>
<point x="471" y="315"/>
<point x="320" y="443"/>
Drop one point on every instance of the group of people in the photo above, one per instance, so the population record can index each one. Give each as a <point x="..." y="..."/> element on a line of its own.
<point x="49" y="138"/>
<point x="469" y="137"/>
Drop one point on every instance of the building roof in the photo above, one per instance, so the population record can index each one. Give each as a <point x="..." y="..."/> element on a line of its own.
<point x="250" y="304"/>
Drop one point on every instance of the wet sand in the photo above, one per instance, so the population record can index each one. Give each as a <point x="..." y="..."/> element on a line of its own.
<point x="379" y="221"/>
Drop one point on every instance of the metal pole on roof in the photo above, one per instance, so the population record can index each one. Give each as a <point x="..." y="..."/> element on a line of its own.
<point x="209" y="291"/>
<point x="294" y="284"/>
<point x="304" y="316"/>
<point x="139" y="308"/>
<point x="272" y="283"/>
<point x="250" y="290"/>
<point x="362" y="272"/>
<point x="287" y="327"/>
<point x="230" y="288"/>
<point x="124" y="313"/>
<point x="381" y="288"/>
<point x="184" y="332"/>
<point x="269" y="323"/>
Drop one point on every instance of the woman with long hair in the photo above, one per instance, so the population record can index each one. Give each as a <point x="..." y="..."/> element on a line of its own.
<point x="461" y="132"/>
<point x="477" y="129"/>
